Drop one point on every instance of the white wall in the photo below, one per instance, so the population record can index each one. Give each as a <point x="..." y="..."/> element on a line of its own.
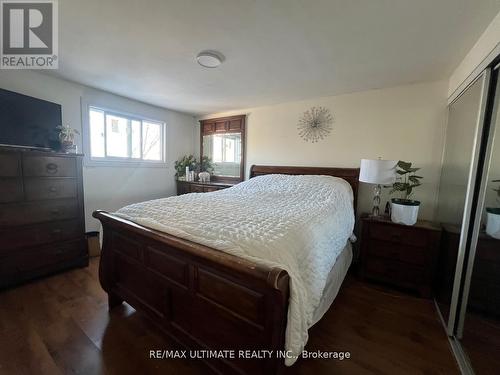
<point x="110" y="188"/>
<point x="405" y="122"/>
<point x="484" y="50"/>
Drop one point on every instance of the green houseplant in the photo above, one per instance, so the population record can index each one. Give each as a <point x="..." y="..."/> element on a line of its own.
<point x="206" y="165"/>
<point x="181" y="164"/>
<point x="493" y="216"/>
<point x="404" y="209"/>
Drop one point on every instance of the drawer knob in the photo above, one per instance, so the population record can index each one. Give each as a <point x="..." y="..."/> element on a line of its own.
<point x="51" y="168"/>
<point x="52" y="189"/>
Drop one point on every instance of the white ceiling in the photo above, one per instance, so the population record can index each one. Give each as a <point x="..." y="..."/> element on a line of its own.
<point x="276" y="50"/>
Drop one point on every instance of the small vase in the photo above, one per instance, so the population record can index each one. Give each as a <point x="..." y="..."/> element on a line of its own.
<point x="404" y="211"/>
<point x="204" y="176"/>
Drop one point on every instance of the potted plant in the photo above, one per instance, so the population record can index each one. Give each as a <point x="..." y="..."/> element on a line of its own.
<point x="205" y="168"/>
<point x="181" y="164"/>
<point x="404" y="210"/>
<point x="493" y="217"/>
<point x="67" y="138"/>
<point x="206" y="165"/>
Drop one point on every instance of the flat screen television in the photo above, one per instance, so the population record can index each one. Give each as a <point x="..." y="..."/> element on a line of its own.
<point x="28" y="122"/>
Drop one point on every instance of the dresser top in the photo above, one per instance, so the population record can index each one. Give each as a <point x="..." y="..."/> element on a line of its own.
<point x="211" y="183"/>
<point x="36" y="152"/>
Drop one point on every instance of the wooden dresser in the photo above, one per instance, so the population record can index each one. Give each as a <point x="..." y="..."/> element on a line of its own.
<point x="184" y="187"/>
<point x="404" y="256"/>
<point x="42" y="224"/>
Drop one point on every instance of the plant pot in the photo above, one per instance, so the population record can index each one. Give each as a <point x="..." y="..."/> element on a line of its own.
<point x="404" y="211"/>
<point x="493" y="222"/>
<point x="70" y="148"/>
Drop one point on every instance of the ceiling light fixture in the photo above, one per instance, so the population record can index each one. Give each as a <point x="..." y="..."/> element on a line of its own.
<point x="210" y="59"/>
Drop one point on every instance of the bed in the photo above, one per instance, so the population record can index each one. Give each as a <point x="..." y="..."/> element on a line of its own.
<point x="225" y="287"/>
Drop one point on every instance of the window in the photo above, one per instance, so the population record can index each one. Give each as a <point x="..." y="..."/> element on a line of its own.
<point x="226" y="148"/>
<point x="118" y="137"/>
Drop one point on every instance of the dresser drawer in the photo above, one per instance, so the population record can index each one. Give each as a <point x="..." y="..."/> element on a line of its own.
<point x="398" y="234"/>
<point x="28" y="260"/>
<point x="10" y="165"/>
<point x="49" y="188"/>
<point x="14" y="238"/>
<point x="11" y="189"/>
<point x="49" y="166"/>
<point x="197" y="188"/>
<point x="402" y="253"/>
<point x="38" y="212"/>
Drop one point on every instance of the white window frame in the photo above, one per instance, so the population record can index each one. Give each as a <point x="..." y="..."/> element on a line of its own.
<point x="223" y="150"/>
<point x="112" y="161"/>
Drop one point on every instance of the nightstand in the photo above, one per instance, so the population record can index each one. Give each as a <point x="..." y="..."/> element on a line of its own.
<point x="400" y="255"/>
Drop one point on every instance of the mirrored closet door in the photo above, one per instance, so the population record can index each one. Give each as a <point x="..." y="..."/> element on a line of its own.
<point x="478" y="327"/>
<point x="458" y="175"/>
<point x="468" y="285"/>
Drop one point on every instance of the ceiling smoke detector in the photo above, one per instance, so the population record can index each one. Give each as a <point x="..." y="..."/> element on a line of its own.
<point x="210" y="59"/>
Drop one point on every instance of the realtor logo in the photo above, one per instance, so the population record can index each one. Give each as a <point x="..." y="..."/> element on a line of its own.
<point x="29" y="34"/>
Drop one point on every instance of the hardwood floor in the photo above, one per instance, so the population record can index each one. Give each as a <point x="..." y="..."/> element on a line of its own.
<point x="481" y="342"/>
<point x="61" y="325"/>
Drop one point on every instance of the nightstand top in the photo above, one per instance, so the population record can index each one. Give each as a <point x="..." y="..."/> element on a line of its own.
<point x="422" y="224"/>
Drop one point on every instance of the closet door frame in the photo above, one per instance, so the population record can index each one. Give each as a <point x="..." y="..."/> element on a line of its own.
<point x="469" y="197"/>
<point x="490" y="134"/>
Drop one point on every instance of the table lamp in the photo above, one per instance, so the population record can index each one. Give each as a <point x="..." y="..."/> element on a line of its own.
<point x="379" y="172"/>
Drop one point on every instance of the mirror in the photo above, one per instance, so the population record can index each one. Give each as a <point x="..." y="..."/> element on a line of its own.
<point x="458" y="154"/>
<point x="481" y="323"/>
<point x="225" y="152"/>
<point x="223" y="141"/>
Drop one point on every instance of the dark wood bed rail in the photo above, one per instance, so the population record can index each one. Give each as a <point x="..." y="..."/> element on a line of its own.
<point x="201" y="297"/>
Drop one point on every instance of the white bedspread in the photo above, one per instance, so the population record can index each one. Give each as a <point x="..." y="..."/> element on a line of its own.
<point x="298" y="223"/>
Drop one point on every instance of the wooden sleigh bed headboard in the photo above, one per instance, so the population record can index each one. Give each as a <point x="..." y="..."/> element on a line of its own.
<point x="351" y="175"/>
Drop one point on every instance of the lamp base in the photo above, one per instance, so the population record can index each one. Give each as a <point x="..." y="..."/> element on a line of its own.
<point x="376" y="201"/>
<point x="375" y="211"/>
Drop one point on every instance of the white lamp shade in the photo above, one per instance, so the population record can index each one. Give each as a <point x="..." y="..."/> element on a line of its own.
<point x="381" y="172"/>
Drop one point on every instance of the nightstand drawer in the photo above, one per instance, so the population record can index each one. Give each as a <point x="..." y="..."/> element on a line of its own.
<point x="398" y="234"/>
<point x="404" y="256"/>
<point x="402" y="253"/>
<point x="393" y="271"/>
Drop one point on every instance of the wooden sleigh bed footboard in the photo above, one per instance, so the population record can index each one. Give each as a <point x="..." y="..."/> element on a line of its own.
<point x="201" y="297"/>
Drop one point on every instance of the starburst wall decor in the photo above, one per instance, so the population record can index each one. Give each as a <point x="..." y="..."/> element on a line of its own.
<point x="315" y="124"/>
